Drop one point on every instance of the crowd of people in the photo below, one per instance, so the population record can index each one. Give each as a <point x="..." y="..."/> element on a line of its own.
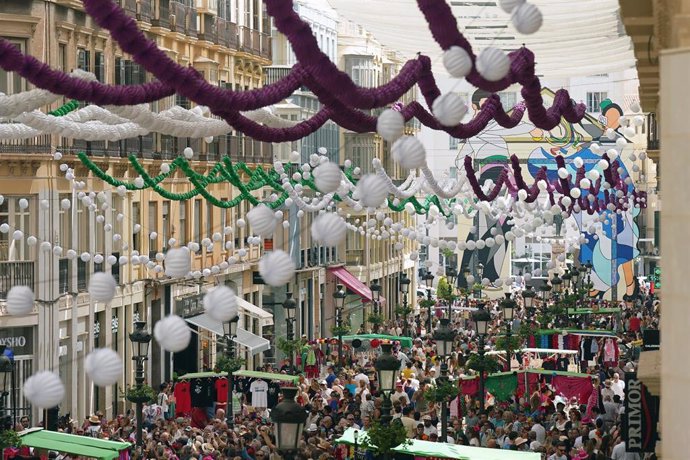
<point x="347" y="395"/>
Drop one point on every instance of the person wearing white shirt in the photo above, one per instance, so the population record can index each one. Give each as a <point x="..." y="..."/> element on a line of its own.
<point x="619" y="452"/>
<point x="540" y="431"/>
<point x="361" y="376"/>
<point x="400" y="393"/>
<point x="618" y="385"/>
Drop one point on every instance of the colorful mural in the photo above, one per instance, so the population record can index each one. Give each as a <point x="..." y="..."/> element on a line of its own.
<point x="613" y="250"/>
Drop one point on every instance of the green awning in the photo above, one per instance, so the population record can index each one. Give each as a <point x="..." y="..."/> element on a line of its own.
<point x="72" y="444"/>
<point x="241" y="373"/>
<point x="349" y="437"/>
<point x="585" y="332"/>
<point x="406" y="342"/>
<point x="443" y="450"/>
<point x="589" y="311"/>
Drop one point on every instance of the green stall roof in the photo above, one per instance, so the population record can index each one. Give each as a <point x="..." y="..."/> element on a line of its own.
<point x="73" y="444"/>
<point x="406" y="342"/>
<point x="443" y="450"/>
<point x="241" y="373"/>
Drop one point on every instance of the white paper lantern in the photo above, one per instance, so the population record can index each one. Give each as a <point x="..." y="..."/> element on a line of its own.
<point x="178" y="262"/>
<point x="85" y="256"/>
<point x="509" y="5"/>
<point x="449" y="109"/>
<point x="493" y="64"/>
<point x="172" y="333"/>
<point x="17" y="235"/>
<point x="390" y="125"/>
<point x="20" y="301"/>
<point x="372" y="190"/>
<point x="220" y="303"/>
<point x="457" y="62"/>
<point x="153" y="236"/>
<point x="188" y="153"/>
<point x="98" y="258"/>
<point x="103" y="366"/>
<point x="102" y="287"/>
<point x="44" y="389"/>
<point x="327" y="177"/>
<point x="31" y="241"/>
<point x="276" y="268"/>
<point x="562" y="173"/>
<point x="71" y="253"/>
<point x="262" y="220"/>
<point x="328" y="229"/>
<point x="409" y="152"/>
<point x="527" y="18"/>
<point x="470" y="279"/>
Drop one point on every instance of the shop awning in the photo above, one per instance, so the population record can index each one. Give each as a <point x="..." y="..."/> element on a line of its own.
<point x="406" y="342"/>
<point x="252" y="342"/>
<point x="265" y="318"/>
<point x="72" y="444"/>
<point x="242" y="373"/>
<point x="354" y="284"/>
<point x="429" y="449"/>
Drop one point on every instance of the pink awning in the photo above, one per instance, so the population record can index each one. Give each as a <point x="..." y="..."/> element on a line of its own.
<point x="354" y="284"/>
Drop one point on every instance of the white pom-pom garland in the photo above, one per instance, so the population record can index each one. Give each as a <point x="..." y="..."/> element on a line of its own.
<point x="220" y="303"/>
<point x="449" y="109"/>
<point x="327" y="177"/>
<point x="103" y="366"/>
<point x="276" y="268"/>
<point x="178" y="262"/>
<point x="102" y="286"/>
<point x="409" y="152"/>
<point x="262" y="219"/>
<point x="44" y="389"/>
<point x="172" y="333"/>
<point x="372" y="190"/>
<point x="20" y="301"/>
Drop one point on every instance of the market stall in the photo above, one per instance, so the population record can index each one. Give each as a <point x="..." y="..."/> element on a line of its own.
<point x="81" y="446"/>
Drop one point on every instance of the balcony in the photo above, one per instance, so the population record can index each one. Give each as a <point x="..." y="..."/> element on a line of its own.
<point x="182" y="19"/>
<point x="162" y="18"/>
<point x="35" y="145"/>
<point x="226" y="33"/>
<point x="16" y="274"/>
<point x="144" y="11"/>
<point x="245" y="39"/>
<point x="273" y="74"/>
<point x="653" y="141"/>
<point x="266" y="50"/>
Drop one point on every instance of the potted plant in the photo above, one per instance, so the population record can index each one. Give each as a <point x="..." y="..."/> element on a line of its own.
<point x="140" y="394"/>
<point x="229" y="365"/>
<point x="441" y="392"/>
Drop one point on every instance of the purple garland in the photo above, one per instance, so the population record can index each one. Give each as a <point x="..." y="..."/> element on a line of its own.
<point x="332" y="86"/>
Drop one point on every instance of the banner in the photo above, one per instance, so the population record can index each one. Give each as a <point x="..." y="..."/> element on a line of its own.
<point x="641" y="416"/>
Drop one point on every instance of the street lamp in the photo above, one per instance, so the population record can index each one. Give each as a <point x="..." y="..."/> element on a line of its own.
<point x="387" y="367"/>
<point x="230" y="331"/>
<point x="557" y="285"/>
<point x="375" y="296"/>
<point x="140" y="352"/>
<point x="481" y="318"/>
<point x="339" y="302"/>
<point x="567" y="278"/>
<point x="544" y="289"/>
<point x="428" y="279"/>
<point x="465" y="274"/>
<point x="288" y="420"/>
<point x="509" y="306"/>
<point x="452" y="275"/>
<point x="290" y="307"/>
<point x="404" y="290"/>
<point x="444" y="338"/>
<point x="480" y="276"/>
<point x="528" y="296"/>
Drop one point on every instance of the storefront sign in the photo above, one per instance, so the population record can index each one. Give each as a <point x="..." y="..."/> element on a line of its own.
<point x="19" y="339"/>
<point x="641" y="416"/>
<point x="189" y="305"/>
<point x="650" y="339"/>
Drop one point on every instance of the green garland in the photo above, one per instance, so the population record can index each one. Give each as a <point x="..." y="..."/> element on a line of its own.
<point x="65" y="109"/>
<point x="226" y="171"/>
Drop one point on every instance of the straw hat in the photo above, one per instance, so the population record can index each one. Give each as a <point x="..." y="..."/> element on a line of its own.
<point x="94" y="419"/>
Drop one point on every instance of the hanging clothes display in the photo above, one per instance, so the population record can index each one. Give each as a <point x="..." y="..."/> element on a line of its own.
<point x="183" y="406"/>
<point x="470" y="387"/>
<point x="611" y="352"/>
<point x="572" y="387"/>
<point x="259" y="391"/>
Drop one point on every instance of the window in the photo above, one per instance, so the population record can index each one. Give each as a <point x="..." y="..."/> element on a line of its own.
<point x="361" y="70"/>
<point x="82" y="275"/>
<point x="62" y="57"/>
<point x="594" y="99"/>
<point x="197" y="220"/>
<point x="136" y="219"/>
<point x="64" y="276"/>
<point x="11" y="82"/>
<point x="84" y="59"/>
<point x="182" y="234"/>
<point x="153" y="218"/>
<point x="255" y="14"/>
<point x="128" y="72"/>
<point x="99" y="69"/>
<point x="508" y="99"/>
<point x="165" y="217"/>
<point x="209" y="220"/>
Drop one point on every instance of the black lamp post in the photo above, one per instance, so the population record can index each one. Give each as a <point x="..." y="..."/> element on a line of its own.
<point x="375" y="297"/>
<point x="480" y="275"/>
<point x="509" y="306"/>
<point x="339" y="302"/>
<point x="288" y="420"/>
<point x="444" y="338"/>
<point x="230" y="331"/>
<point x="544" y="289"/>
<point x="567" y="280"/>
<point x="452" y="275"/>
<point x="115" y="328"/>
<point x="404" y="290"/>
<point x="557" y="285"/>
<point x="387" y="367"/>
<point x="290" y="307"/>
<point x="140" y="352"/>
<point x="6" y="368"/>
<point x="481" y="318"/>
<point x="428" y="279"/>
<point x="528" y="296"/>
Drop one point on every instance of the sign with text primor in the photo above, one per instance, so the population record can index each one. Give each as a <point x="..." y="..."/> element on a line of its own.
<point x="641" y="416"/>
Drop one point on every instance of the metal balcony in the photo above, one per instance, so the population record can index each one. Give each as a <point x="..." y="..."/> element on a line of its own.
<point x="16" y="274"/>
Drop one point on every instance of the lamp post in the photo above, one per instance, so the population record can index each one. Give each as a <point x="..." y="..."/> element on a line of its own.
<point x="544" y="289"/>
<point x="404" y="290"/>
<point x="481" y="318"/>
<point x="557" y="285"/>
<point x="230" y="331"/>
<point x="290" y="307"/>
<point x="375" y="296"/>
<point x="528" y="296"/>
<point x="428" y="279"/>
<point x="509" y="306"/>
<point x="140" y="339"/>
<point x="115" y="328"/>
<point x="444" y="338"/>
<point x="452" y="276"/>
<point x="288" y="420"/>
<point x="339" y="302"/>
<point x="567" y="279"/>
<point x="387" y="367"/>
<point x="480" y="276"/>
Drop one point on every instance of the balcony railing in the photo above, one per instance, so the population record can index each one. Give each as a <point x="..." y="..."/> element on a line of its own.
<point x="39" y="144"/>
<point x="652" y="132"/>
<point x="16" y="274"/>
<point x="266" y="50"/>
<point x="246" y="39"/>
<point x="183" y="19"/>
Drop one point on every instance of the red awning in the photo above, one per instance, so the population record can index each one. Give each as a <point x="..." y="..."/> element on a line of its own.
<point x="354" y="284"/>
